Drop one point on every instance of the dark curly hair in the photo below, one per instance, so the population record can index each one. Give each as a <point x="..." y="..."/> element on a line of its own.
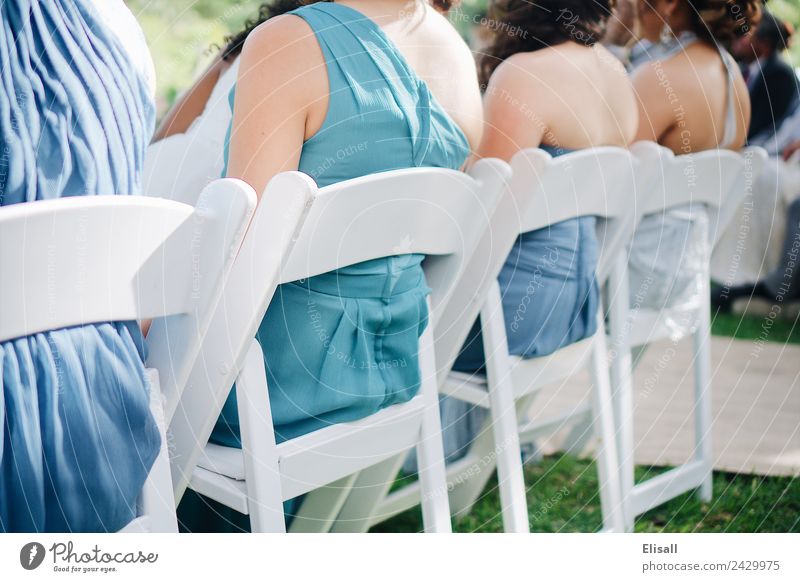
<point x="722" y="21"/>
<point x="525" y="26"/>
<point x="235" y="42"/>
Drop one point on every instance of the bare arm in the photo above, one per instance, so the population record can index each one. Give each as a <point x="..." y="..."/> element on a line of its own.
<point x="281" y="87"/>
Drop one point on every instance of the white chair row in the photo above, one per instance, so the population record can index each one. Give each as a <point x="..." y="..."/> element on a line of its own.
<point x="611" y="185"/>
<point x="189" y="261"/>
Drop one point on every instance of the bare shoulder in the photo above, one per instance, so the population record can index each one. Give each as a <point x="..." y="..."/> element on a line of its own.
<point x="286" y="34"/>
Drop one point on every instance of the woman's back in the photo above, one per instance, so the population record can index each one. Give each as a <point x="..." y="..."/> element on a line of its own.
<point x="584" y="96"/>
<point x="693" y="100"/>
<point x="567" y="96"/>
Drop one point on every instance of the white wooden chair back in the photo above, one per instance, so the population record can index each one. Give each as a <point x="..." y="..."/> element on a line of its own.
<point x="95" y="259"/>
<point x="716" y="178"/>
<point x="600" y="182"/>
<point x="432" y="211"/>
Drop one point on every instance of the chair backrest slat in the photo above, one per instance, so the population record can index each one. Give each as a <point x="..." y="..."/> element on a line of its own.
<point x="716" y="178"/>
<point x="199" y="257"/>
<point x="600" y="182"/>
<point x="75" y="261"/>
<point x="96" y="259"/>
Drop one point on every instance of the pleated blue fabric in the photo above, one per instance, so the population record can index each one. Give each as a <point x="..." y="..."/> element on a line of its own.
<point x="78" y="439"/>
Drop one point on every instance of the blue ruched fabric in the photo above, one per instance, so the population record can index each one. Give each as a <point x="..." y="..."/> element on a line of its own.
<point x="78" y="438"/>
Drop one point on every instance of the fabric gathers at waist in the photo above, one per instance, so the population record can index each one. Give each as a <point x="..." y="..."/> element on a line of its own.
<point x="402" y="273"/>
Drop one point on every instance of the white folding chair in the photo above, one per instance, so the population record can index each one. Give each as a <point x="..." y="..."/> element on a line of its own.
<point x="96" y="259"/>
<point x="436" y="212"/>
<point x="719" y="179"/>
<point x="597" y="182"/>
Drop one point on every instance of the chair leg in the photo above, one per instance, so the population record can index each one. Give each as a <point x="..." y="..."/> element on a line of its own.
<point x="430" y="449"/>
<point x="607" y="456"/>
<point x="504" y="416"/>
<point x="265" y="501"/>
<point x="369" y="490"/>
<point x="157" y="498"/>
<point x="320" y="508"/>
<point x="702" y="394"/>
<point x="622" y="381"/>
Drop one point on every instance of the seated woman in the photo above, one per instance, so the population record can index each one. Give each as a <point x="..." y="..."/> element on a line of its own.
<point x="553" y="87"/>
<point x="322" y="79"/>
<point x="691" y="99"/>
<point x="76" y="113"/>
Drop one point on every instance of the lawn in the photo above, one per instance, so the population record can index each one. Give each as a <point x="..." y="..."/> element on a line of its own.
<point x="751" y="327"/>
<point x="563" y="497"/>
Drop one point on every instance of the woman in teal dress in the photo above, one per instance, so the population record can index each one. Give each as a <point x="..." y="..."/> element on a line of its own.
<point x="343" y="345"/>
<point x="76" y="114"/>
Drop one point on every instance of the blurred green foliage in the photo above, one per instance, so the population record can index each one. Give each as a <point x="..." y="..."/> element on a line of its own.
<point x="182" y="33"/>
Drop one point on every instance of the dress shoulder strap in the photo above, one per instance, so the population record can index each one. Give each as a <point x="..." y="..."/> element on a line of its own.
<point x="731" y="126"/>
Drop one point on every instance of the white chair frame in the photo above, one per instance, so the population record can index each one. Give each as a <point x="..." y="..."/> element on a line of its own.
<point x="96" y="259"/>
<point x="598" y="182"/>
<point x="432" y="211"/>
<point x="720" y="180"/>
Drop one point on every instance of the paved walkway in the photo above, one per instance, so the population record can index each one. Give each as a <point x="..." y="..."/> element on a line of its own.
<point x="756" y="406"/>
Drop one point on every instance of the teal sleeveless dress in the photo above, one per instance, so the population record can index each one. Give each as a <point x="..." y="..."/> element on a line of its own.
<point x="343" y="345"/>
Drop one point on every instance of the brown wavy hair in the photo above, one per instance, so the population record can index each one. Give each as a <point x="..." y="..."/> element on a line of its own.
<point x="722" y="21"/>
<point x="524" y="26"/>
<point x="235" y="42"/>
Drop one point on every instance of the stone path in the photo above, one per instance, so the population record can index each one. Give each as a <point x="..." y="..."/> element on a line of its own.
<point x="756" y="406"/>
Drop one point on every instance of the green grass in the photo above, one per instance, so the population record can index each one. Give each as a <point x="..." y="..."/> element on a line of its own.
<point x="751" y="327"/>
<point x="563" y="497"/>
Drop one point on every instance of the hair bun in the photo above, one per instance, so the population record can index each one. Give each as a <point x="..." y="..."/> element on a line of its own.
<point x="725" y="20"/>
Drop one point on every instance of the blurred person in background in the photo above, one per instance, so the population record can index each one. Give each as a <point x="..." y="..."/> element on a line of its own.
<point x="771" y="80"/>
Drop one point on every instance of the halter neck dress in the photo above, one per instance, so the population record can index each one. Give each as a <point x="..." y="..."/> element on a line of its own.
<point x="670" y="250"/>
<point x="76" y="114"/>
<point x="343" y="345"/>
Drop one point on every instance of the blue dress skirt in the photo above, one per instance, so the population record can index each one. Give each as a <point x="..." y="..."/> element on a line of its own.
<point x="550" y="299"/>
<point x="78" y="439"/>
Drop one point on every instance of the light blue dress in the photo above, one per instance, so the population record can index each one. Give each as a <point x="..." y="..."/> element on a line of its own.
<point x="669" y="249"/>
<point x="550" y="295"/>
<point x="343" y="345"/>
<point x="550" y="299"/>
<point x="78" y="439"/>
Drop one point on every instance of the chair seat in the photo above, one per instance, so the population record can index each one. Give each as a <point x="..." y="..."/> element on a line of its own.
<point x="528" y="375"/>
<point x="315" y="459"/>
<point x="531" y="374"/>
